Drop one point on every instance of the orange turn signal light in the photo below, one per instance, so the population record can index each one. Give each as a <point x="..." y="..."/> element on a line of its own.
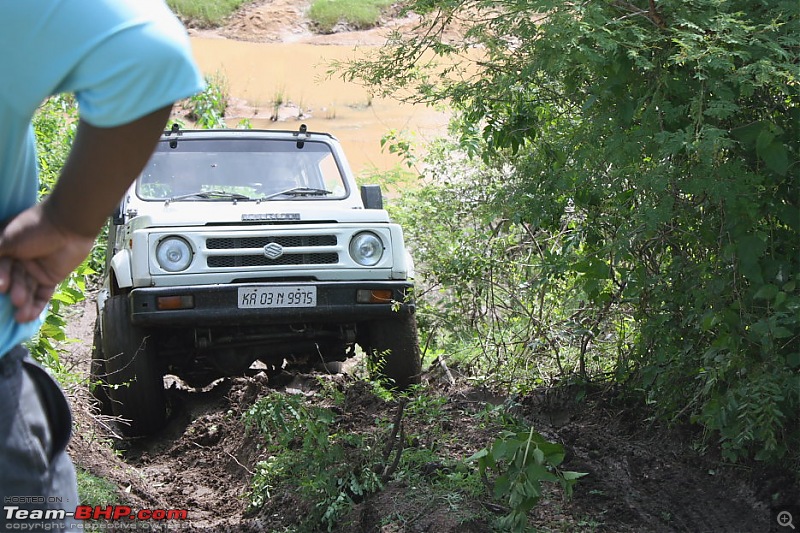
<point x="374" y="296"/>
<point x="172" y="303"/>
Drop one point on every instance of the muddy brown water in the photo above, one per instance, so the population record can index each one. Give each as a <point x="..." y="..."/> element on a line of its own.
<point x="260" y="74"/>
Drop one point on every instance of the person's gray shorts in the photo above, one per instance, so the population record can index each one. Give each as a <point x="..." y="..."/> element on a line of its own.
<point x="35" y="425"/>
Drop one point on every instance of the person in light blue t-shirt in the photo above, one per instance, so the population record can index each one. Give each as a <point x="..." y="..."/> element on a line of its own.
<point x="126" y="62"/>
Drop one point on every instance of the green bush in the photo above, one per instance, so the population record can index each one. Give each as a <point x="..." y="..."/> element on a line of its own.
<point x="207" y="108"/>
<point x="522" y="460"/>
<point x="54" y="127"/>
<point x="497" y="293"/>
<point x="328" y="468"/>
<point x="332" y="461"/>
<point x="671" y="136"/>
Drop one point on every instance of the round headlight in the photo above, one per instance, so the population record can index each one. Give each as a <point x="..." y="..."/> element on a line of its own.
<point x="366" y="248"/>
<point x="174" y="254"/>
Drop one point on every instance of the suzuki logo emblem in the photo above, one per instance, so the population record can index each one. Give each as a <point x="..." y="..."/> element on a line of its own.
<point x="273" y="250"/>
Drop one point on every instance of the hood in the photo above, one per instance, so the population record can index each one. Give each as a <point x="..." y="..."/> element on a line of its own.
<point x="219" y="213"/>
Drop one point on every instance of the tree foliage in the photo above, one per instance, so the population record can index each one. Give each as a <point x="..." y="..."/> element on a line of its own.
<point x="670" y="130"/>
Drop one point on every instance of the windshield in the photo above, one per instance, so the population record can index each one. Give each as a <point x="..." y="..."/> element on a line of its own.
<point x="240" y="169"/>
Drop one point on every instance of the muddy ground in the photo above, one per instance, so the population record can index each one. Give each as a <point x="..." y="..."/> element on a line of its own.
<point x="642" y="477"/>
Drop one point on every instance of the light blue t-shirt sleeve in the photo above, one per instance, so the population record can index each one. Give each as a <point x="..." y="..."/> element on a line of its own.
<point x="135" y="70"/>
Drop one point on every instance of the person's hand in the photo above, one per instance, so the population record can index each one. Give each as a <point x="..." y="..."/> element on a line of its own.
<point x="25" y="293"/>
<point x="35" y="256"/>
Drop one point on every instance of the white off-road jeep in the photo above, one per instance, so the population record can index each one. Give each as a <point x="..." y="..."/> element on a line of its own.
<point x="237" y="246"/>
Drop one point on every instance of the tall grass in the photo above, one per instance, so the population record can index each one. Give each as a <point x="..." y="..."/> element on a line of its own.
<point x="205" y="13"/>
<point x="357" y="14"/>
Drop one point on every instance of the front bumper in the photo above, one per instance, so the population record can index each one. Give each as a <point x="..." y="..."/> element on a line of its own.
<point x="217" y="305"/>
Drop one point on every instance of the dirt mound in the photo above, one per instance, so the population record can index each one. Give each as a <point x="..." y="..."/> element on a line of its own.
<point x="271" y="21"/>
<point x="646" y="480"/>
<point x="286" y="21"/>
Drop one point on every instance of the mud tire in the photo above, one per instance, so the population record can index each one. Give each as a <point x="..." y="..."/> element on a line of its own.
<point x="394" y="350"/>
<point x="136" y="383"/>
<point x="98" y="374"/>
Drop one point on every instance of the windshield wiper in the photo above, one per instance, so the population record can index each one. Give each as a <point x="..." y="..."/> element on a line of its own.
<point x="208" y="195"/>
<point x="299" y="191"/>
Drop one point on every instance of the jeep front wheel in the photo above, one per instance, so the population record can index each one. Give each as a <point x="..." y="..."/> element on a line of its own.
<point x="394" y="350"/>
<point x="136" y="384"/>
<point x="97" y="375"/>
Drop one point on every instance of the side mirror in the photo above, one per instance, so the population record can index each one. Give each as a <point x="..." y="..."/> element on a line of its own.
<point x="118" y="217"/>
<point x="372" y="197"/>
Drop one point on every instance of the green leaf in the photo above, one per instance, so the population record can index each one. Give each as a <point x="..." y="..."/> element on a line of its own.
<point x="531" y="488"/>
<point x="779" y="299"/>
<point x="538" y="456"/>
<point x="500" y="450"/>
<point x="554" y="453"/>
<point x="764" y="139"/>
<point x="477" y="455"/>
<point x="541" y="473"/>
<point x="749" y="133"/>
<point x="766" y="292"/>
<point x="501" y="486"/>
<point x="569" y="475"/>
<point x="775" y="157"/>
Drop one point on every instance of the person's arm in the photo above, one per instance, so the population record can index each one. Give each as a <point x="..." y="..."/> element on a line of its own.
<point x="50" y="239"/>
<point x="101" y="166"/>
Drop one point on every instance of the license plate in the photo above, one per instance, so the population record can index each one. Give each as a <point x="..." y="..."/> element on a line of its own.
<point x="269" y="297"/>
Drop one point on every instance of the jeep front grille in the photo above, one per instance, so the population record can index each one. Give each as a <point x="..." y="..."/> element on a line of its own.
<point x="255" y="260"/>
<point x="249" y="251"/>
<point x="293" y="241"/>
